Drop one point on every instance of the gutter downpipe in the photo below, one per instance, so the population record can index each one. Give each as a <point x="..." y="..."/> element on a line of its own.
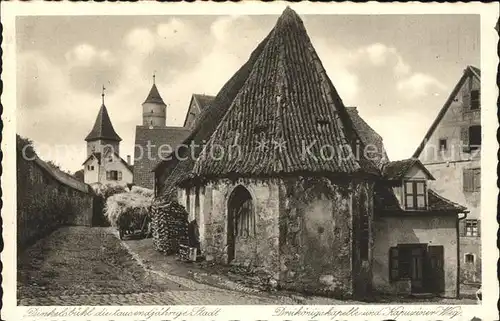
<point x="458" y="251"/>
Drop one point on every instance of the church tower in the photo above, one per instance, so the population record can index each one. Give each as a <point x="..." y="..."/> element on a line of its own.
<point x="154" y="110"/>
<point x="102" y="134"/>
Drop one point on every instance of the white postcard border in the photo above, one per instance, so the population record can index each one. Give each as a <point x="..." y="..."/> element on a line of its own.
<point x="489" y="61"/>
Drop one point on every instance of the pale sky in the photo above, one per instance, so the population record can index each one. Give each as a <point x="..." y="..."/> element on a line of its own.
<point x="398" y="70"/>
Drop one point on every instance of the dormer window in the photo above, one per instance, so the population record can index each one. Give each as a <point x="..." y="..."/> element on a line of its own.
<point x="415" y="195"/>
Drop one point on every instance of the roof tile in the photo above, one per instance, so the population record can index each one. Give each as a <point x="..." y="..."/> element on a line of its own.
<point x="103" y="129"/>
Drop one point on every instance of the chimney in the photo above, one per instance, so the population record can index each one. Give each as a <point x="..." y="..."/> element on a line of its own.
<point x="128" y="160"/>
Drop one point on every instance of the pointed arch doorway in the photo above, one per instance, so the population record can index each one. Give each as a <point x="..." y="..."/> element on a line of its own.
<point x="240" y="219"/>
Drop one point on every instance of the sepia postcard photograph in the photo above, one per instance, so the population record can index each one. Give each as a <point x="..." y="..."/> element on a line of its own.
<point x="210" y="161"/>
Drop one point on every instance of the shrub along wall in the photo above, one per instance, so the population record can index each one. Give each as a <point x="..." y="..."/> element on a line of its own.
<point x="47" y="199"/>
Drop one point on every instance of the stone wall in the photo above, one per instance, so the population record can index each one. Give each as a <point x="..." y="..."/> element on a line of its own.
<point x="316" y="236"/>
<point x="47" y="199"/>
<point x="307" y="231"/>
<point x="260" y="250"/>
<point x="428" y="229"/>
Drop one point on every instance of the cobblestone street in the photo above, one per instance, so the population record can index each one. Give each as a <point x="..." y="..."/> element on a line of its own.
<point x="90" y="266"/>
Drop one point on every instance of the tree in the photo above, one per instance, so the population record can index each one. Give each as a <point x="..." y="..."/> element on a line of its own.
<point x="79" y="175"/>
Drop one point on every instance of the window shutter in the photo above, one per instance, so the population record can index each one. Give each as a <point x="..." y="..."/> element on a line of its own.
<point x="468" y="180"/>
<point x="393" y="264"/>
<point x="461" y="227"/>
<point x="477" y="179"/>
<point x="464" y="139"/>
<point x="108" y="175"/>
<point x="478" y="228"/>
<point x="119" y="176"/>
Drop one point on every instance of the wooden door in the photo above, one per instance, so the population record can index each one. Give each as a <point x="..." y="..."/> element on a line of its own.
<point x="435" y="271"/>
<point x="417" y="269"/>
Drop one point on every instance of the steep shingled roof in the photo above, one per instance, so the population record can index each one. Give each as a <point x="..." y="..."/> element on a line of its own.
<point x="154" y="96"/>
<point x="208" y="120"/>
<point x="288" y="99"/>
<point x="397" y="169"/>
<point x="103" y="129"/>
<point x="369" y="137"/>
<point x="204" y="101"/>
<point x="281" y="94"/>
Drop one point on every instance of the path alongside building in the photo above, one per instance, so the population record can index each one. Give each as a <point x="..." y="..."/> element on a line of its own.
<point x="91" y="266"/>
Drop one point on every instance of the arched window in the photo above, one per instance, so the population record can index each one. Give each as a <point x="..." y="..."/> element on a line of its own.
<point x="240" y="219"/>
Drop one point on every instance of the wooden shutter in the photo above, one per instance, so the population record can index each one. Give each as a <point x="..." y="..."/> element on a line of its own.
<point x="108" y="175"/>
<point x="468" y="180"/>
<point x="119" y="176"/>
<point x="478" y="228"/>
<point x="393" y="264"/>
<point x="477" y="179"/>
<point x="464" y="138"/>
<point x="435" y="255"/>
<point x="461" y="227"/>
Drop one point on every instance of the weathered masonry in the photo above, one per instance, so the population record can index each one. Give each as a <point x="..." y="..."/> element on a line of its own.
<point x="309" y="218"/>
<point x="47" y="198"/>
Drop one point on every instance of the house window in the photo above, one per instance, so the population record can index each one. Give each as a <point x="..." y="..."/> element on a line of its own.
<point x="474" y="137"/>
<point x="469" y="258"/>
<point x="90" y="167"/>
<point x="112" y="175"/>
<point x="471" y="228"/>
<point x="415" y="192"/>
<point x="475" y="100"/>
<point x="472" y="179"/>
<point x="443" y="144"/>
